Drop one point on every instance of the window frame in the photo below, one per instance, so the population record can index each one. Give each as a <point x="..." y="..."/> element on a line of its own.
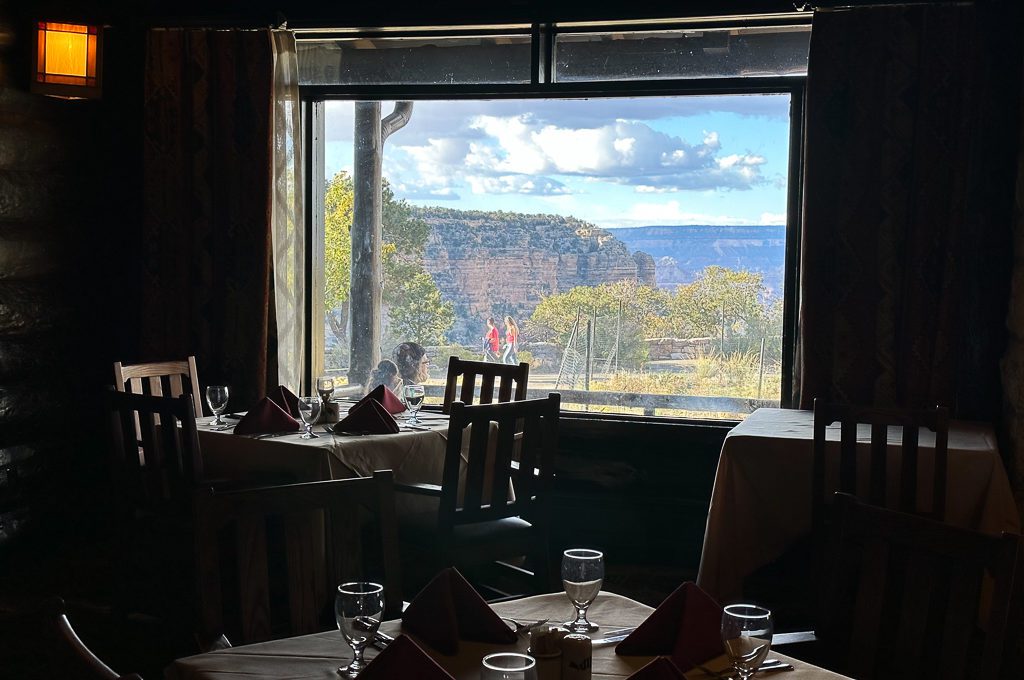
<point x="314" y="97"/>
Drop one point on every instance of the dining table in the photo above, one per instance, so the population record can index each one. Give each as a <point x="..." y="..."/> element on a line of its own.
<point x="319" y="655"/>
<point x="761" y="500"/>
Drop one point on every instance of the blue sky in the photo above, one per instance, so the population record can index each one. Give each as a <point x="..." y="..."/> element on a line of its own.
<point x="620" y="162"/>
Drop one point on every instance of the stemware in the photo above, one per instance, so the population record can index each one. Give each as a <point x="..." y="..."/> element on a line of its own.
<point x="747" y="636"/>
<point x="217" y="398"/>
<point x="325" y="387"/>
<point x="582" y="576"/>
<point x="413" y="401"/>
<point x="358" y="609"/>
<point x="508" y="666"/>
<point x="309" y="411"/>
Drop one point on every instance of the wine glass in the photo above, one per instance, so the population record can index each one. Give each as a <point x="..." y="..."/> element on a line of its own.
<point x="508" y="666"/>
<point x="358" y="609"/>
<point x="582" y="576"/>
<point x="309" y="411"/>
<point x="217" y="398"/>
<point x="325" y="387"/>
<point x="413" y="400"/>
<point x="747" y="636"/>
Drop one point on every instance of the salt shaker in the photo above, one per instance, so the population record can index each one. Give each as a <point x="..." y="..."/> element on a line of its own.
<point x="577" y="653"/>
<point x="545" y="647"/>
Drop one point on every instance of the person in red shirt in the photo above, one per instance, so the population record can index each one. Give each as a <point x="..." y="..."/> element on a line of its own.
<point x="492" y="343"/>
<point x="511" y="353"/>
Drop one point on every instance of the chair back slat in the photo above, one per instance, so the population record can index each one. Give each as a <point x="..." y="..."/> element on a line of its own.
<point x="905" y="593"/>
<point x="492" y="442"/>
<point x="286" y="578"/>
<point x="902" y="493"/>
<point x="161" y="378"/>
<point x="462" y="381"/>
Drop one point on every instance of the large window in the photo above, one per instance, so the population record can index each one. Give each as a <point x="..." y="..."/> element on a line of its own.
<point x="628" y="240"/>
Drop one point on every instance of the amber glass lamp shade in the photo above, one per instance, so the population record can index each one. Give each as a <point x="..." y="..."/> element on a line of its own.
<point x="66" y="61"/>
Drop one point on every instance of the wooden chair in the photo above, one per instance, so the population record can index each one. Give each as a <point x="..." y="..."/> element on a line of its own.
<point x="485" y="525"/>
<point x="86" y="664"/>
<point x="904" y="594"/>
<point x="462" y="376"/>
<point x="269" y="560"/>
<point x="791" y="583"/>
<point x="162" y="378"/>
<point x="155" y="446"/>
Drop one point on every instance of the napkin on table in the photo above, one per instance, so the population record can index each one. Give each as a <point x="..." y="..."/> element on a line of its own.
<point x="369" y="417"/>
<point x="286" y="399"/>
<point x="403" y="658"/>
<point x="266" y="417"/>
<point x="686" y="627"/>
<point x="387" y="399"/>
<point x="659" y="669"/>
<point x="448" y="609"/>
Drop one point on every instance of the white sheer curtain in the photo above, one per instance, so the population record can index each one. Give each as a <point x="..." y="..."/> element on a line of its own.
<point x="287" y="212"/>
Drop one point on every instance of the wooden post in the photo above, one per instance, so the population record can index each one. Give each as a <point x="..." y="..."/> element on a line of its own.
<point x="760" y="370"/>
<point x="367" y="272"/>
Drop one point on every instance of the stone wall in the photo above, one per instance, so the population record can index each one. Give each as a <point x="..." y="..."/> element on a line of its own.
<point x="660" y="349"/>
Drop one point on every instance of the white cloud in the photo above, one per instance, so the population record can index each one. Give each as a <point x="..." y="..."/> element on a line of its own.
<point x="773" y="218"/>
<point x="669" y="213"/>
<point x="516" y="184"/>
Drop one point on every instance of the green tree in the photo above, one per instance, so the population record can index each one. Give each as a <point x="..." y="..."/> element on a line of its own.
<point x="721" y="303"/>
<point x="412" y="301"/>
<point x="642" y="310"/>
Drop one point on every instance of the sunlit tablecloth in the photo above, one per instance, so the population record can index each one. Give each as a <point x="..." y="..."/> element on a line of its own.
<point x="319" y="655"/>
<point x="761" y="502"/>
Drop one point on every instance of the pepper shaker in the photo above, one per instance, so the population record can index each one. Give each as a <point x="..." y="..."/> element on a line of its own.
<point x="577" y="653"/>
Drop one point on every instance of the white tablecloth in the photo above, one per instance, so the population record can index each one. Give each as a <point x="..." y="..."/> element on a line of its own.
<point x="319" y="655"/>
<point x="761" y="502"/>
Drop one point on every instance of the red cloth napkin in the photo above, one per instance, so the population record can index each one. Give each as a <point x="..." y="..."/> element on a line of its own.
<point x="659" y="669"/>
<point x="266" y="417"/>
<point x="448" y="609"/>
<point x="686" y="626"/>
<point x="403" y="658"/>
<point x="369" y="417"/>
<point x="386" y="398"/>
<point x="286" y="399"/>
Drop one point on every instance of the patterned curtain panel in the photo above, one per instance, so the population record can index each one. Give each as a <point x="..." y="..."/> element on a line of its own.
<point x="207" y="227"/>
<point x="905" y="266"/>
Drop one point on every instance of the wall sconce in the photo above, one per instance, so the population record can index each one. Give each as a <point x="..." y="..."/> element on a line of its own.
<point x="67" y="60"/>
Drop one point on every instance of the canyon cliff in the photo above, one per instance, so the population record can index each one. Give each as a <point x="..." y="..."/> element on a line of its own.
<point x="498" y="263"/>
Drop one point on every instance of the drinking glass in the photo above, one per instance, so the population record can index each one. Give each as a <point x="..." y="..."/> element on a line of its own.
<point x="508" y="666"/>
<point x="309" y="411"/>
<point x="325" y="387"/>
<point x="358" y="609"/>
<point x="582" y="576"/>
<point x="217" y="398"/>
<point x="413" y="401"/>
<point x="747" y="636"/>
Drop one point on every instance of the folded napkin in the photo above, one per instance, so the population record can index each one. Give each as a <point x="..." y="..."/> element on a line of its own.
<point x="403" y="658"/>
<point x="386" y="398"/>
<point x="686" y="627"/>
<point x="266" y="417"/>
<point x="659" y="669"/>
<point x="286" y="399"/>
<point x="367" y="416"/>
<point x="448" y="609"/>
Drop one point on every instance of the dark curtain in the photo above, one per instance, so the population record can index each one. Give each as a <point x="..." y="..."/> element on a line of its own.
<point x="907" y="200"/>
<point x="206" y="263"/>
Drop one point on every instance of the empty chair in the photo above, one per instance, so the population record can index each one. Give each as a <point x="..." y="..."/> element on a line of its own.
<point x="791" y="582"/>
<point x="75" y="657"/>
<point x="904" y="594"/>
<point x="461" y="383"/>
<point x="269" y="560"/>
<point x="478" y="520"/>
<point x="161" y="378"/>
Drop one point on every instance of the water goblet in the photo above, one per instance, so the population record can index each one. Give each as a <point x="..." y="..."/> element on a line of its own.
<point x="309" y="411"/>
<point x="508" y="666"/>
<point x="358" y="609"/>
<point x="747" y="636"/>
<point x="413" y="401"/>
<point x="582" y="576"/>
<point x="217" y="399"/>
<point x="325" y="387"/>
